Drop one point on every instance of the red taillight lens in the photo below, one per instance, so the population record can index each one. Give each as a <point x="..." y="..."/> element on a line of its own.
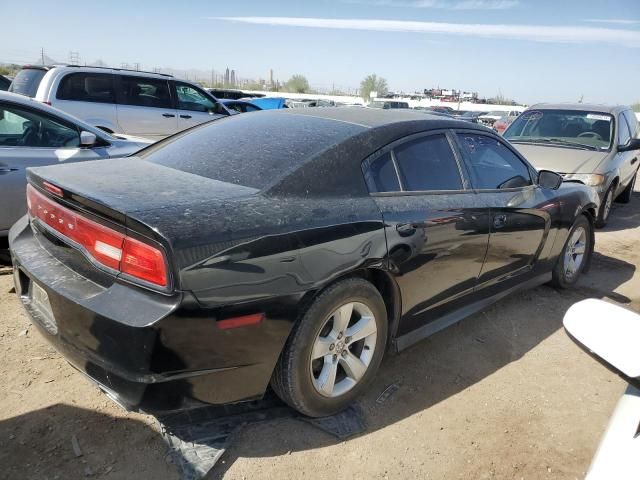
<point x="143" y="261"/>
<point x="108" y="247"/>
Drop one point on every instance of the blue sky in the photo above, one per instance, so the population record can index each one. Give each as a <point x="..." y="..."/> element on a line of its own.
<point x="530" y="50"/>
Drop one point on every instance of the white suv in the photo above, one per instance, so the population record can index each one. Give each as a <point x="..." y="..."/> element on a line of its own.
<point x="151" y="105"/>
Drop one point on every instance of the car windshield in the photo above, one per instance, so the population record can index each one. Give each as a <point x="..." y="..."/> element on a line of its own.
<point x="27" y="81"/>
<point x="581" y="129"/>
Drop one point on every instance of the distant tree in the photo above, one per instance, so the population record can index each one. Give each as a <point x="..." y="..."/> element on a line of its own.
<point x="500" y="99"/>
<point x="636" y="107"/>
<point x="298" y="84"/>
<point x="373" y="83"/>
<point x="9" y="69"/>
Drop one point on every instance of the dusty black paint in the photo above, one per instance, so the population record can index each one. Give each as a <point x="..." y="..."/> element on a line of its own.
<point x="245" y="243"/>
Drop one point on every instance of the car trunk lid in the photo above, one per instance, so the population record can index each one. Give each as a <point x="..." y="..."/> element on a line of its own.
<point x="118" y="194"/>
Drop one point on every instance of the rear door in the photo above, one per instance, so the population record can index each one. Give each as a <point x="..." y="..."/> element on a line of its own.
<point x="519" y="223"/>
<point x="31" y="138"/>
<point x="436" y="227"/>
<point x="195" y="106"/>
<point x="145" y="106"/>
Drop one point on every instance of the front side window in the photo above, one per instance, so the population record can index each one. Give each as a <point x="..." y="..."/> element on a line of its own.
<point x="25" y="128"/>
<point x="192" y="99"/>
<point x="145" y="92"/>
<point x="492" y="164"/>
<point x="623" y="131"/>
<point x="87" y="87"/>
<point x="427" y="164"/>
<point x="632" y="120"/>
<point x="570" y="128"/>
<point x="380" y="174"/>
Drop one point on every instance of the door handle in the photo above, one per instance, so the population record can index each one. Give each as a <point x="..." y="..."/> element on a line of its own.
<point x="634" y="160"/>
<point x="168" y="115"/>
<point x="499" y="221"/>
<point x="185" y="116"/>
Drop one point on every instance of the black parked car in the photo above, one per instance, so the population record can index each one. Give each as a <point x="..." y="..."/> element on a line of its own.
<point x="288" y="247"/>
<point x="4" y="83"/>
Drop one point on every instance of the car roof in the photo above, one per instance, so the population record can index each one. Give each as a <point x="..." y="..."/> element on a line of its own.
<point x="95" y="69"/>
<point x="278" y="151"/>
<point x="376" y="117"/>
<point x="590" y="107"/>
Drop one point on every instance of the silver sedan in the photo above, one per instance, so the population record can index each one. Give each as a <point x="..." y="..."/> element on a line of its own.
<point x="33" y="134"/>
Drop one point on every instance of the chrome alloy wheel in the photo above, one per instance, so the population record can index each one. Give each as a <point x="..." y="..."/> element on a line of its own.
<point x="343" y="349"/>
<point x="575" y="252"/>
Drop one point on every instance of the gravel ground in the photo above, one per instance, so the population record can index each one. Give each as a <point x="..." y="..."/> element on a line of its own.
<point x="503" y="394"/>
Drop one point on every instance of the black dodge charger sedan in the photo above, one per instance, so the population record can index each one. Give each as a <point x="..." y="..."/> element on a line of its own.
<point x="285" y="248"/>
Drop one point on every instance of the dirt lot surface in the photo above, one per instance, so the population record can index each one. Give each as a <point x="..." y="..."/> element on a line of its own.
<point x="503" y="394"/>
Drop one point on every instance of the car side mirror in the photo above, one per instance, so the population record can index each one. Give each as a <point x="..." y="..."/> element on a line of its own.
<point x="87" y="139"/>
<point x="633" y="144"/>
<point x="608" y="332"/>
<point x="549" y="179"/>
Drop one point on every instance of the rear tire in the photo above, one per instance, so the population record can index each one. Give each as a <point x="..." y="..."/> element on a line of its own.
<point x="625" y="196"/>
<point x="605" y="207"/>
<point x="575" y="255"/>
<point x="334" y="350"/>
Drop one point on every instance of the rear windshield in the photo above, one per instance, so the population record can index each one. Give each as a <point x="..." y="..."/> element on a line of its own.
<point x="253" y="150"/>
<point x="27" y="81"/>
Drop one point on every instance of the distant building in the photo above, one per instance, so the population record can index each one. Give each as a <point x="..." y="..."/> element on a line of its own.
<point x="233" y="77"/>
<point x="226" y="76"/>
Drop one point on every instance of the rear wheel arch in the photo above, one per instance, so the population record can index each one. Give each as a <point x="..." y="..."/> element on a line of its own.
<point x="383" y="281"/>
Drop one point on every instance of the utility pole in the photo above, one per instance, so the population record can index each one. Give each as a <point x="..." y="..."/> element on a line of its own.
<point x="136" y="66"/>
<point x="42" y="55"/>
<point x="74" y="58"/>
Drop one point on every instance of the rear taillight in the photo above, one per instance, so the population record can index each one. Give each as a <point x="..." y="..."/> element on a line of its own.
<point x="105" y="245"/>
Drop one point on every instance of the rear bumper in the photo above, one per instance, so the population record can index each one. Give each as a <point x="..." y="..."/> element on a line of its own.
<point x="146" y="350"/>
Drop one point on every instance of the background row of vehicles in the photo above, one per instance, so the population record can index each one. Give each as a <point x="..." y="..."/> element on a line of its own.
<point x="591" y="144"/>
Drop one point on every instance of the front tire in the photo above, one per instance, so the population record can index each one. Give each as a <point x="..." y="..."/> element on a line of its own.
<point x="605" y="208"/>
<point x="334" y="350"/>
<point x="575" y="255"/>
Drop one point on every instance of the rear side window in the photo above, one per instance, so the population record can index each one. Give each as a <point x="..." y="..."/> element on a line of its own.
<point x="381" y="176"/>
<point x="492" y="164"/>
<point x="428" y="164"/>
<point x="87" y="87"/>
<point x="145" y="92"/>
<point x="27" y="81"/>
